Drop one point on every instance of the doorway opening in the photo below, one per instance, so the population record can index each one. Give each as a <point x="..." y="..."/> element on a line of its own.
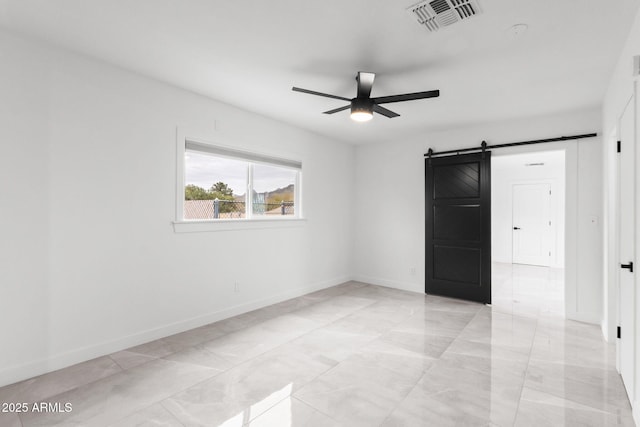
<point x="528" y="233"/>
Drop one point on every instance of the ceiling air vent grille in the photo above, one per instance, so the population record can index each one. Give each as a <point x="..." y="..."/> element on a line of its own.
<point x="436" y="14"/>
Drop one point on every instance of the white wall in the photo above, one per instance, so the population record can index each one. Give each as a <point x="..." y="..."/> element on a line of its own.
<point x="620" y="90"/>
<point x="618" y="94"/>
<point x="89" y="261"/>
<point x="390" y="203"/>
<point x="508" y="170"/>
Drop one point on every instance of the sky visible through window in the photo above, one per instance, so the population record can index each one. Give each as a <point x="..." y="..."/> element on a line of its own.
<point x="204" y="170"/>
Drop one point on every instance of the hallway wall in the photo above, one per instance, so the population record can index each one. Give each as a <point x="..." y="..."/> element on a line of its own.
<point x="621" y="88"/>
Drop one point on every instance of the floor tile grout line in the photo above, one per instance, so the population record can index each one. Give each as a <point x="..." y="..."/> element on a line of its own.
<point x="309" y="404"/>
<point x="292" y="396"/>
<point x="585" y="407"/>
<point x="143" y="409"/>
<point x="569" y="399"/>
<point x="526" y="372"/>
<point x="410" y="391"/>
<point x="330" y="369"/>
<point x="52" y="397"/>
<point x="314" y="408"/>
<point x="577" y="365"/>
<point x="123" y="371"/>
<point x="151" y="359"/>
<point x="161" y="403"/>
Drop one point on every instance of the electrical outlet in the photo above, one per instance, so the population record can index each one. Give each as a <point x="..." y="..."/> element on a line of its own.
<point x="412" y="271"/>
<point x="236" y="287"/>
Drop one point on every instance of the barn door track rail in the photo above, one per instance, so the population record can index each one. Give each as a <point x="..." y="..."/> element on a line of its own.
<point x="483" y="146"/>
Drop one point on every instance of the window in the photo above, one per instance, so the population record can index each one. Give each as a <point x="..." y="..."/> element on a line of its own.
<point x="221" y="184"/>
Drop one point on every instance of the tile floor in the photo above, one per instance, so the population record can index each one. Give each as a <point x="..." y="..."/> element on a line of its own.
<point x="355" y="355"/>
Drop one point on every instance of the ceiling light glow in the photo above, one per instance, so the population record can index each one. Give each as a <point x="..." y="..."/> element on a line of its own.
<point x="361" y="116"/>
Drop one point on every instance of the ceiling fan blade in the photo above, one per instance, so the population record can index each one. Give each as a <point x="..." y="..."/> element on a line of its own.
<point x="313" y="92"/>
<point x="406" y="97"/>
<point x="338" y="109"/>
<point x="365" y="83"/>
<point x="387" y="113"/>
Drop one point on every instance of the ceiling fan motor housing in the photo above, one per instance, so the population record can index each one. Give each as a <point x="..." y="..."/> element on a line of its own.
<point x="362" y="105"/>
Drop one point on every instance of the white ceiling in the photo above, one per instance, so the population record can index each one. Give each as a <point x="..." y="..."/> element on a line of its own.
<point x="250" y="53"/>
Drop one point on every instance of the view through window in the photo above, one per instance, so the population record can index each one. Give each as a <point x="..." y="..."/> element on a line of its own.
<point x="220" y="184"/>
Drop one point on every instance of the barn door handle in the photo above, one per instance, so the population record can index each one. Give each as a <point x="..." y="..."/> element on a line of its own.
<point x="628" y="266"/>
<point x="516" y="228"/>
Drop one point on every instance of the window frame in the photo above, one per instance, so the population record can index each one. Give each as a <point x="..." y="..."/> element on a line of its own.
<point x="251" y="157"/>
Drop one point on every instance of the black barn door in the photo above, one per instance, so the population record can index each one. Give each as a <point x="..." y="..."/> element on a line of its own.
<point x="458" y="226"/>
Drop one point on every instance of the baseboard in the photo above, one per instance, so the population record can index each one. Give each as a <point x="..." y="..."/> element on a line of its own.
<point x="592" y="318"/>
<point x="586" y="317"/>
<point x="405" y="286"/>
<point x="42" y="366"/>
<point x="604" y="328"/>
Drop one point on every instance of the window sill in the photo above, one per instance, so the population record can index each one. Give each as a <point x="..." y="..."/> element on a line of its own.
<point x="235" y="224"/>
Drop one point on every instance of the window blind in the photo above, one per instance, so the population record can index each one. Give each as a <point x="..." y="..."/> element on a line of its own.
<point x="245" y="155"/>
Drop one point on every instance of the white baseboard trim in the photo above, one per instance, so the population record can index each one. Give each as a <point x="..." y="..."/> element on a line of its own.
<point x="604" y="328"/>
<point x="44" y="365"/>
<point x="404" y="286"/>
<point x="585" y="317"/>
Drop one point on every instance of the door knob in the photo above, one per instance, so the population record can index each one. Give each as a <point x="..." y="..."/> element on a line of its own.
<point x="516" y="228"/>
<point x="628" y="266"/>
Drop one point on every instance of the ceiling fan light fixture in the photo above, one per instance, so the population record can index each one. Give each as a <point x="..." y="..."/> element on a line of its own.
<point x="361" y="110"/>
<point x="363" y="105"/>
<point x="361" y="116"/>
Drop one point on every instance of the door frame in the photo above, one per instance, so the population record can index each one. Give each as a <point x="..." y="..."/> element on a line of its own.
<point x="611" y="237"/>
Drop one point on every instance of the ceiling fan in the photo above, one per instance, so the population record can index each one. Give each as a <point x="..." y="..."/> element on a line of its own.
<point x="363" y="106"/>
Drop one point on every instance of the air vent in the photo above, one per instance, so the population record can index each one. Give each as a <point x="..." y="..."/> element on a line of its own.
<point x="436" y="14"/>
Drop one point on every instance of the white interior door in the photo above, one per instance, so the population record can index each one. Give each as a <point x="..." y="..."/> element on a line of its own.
<point x="532" y="224"/>
<point x="626" y="212"/>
